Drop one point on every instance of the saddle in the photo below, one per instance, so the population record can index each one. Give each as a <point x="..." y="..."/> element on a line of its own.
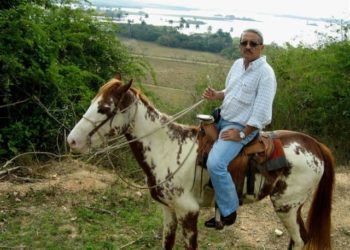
<point x="263" y="154"/>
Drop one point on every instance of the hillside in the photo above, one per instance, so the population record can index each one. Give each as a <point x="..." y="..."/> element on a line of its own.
<point x="177" y="71"/>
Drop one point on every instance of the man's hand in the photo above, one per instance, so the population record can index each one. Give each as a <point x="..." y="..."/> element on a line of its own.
<point x="230" y="135"/>
<point x="211" y="94"/>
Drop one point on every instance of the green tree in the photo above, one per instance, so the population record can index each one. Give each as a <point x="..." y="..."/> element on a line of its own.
<point x="53" y="59"/>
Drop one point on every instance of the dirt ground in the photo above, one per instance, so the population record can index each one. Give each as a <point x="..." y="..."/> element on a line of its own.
<point x="256" y="222"/>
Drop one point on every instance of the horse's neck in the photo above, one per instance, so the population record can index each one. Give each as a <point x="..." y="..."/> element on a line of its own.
<point x="153" y="126"/>
<point x="158" y="137"/>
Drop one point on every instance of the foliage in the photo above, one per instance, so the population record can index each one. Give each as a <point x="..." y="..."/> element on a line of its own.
<point x="53" y="58"/>
<point x="232" y="52"/>
<point x="314" y="92"/>
<point x="170" y="37"/>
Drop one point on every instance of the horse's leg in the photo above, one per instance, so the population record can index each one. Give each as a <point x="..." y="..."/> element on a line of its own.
<point x="187" y="212"/>
<point x="169" y="229"/>
<point x="189" y="229"/>
<point x="291" y="219"/>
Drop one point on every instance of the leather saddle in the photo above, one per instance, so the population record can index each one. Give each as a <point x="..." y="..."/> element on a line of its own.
<point x="256" y="156"/>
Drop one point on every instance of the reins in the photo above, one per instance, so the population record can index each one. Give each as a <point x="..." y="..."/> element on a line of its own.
<point x="108" y="148"/>
<point x="175" y="117"/>
<point x="160" y="183"/>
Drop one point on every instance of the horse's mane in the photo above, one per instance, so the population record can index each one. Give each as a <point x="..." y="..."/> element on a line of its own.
<point x="112" y="85"/>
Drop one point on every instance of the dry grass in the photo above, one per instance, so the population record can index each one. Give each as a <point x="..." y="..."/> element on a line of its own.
<point x="149" y="49"/>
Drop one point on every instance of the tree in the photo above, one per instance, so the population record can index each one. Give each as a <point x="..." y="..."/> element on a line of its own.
<point x="53" y="59"/>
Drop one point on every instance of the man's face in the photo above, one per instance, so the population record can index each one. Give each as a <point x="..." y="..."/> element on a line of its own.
<point x="250" y="46"/>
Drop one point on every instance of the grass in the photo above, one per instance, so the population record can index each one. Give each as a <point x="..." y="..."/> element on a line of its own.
<point x="109" y="219"/>
<point x="150" y="49"/>
<point x="178" y="72"/>
<point x="54" y="214"/>
<point x="51" y="219"/>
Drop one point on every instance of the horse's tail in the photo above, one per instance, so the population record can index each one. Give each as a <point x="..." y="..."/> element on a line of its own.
<point x="319" y="217"/>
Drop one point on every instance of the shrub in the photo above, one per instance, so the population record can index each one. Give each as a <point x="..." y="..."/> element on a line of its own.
<point x="54" y="59"/>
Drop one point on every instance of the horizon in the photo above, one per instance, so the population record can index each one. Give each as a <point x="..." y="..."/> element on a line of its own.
<point x="337" y="9"/>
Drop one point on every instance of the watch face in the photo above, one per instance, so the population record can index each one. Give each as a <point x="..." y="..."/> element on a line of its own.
<point x="242" y="135"/>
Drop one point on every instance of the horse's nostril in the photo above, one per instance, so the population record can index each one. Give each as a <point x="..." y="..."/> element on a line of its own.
<point x="72" y="143"/>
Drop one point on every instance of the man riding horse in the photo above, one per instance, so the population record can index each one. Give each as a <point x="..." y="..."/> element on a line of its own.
<point x="247" y="108"/>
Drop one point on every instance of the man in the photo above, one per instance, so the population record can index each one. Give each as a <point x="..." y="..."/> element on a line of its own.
<point x="249" y="91"/>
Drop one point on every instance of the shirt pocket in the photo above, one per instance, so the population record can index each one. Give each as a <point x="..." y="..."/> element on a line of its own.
<point x="246" y="94"/>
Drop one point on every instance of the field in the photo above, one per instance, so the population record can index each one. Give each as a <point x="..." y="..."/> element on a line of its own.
<point x="73" y="205"/>
<point x="177" y="71"/>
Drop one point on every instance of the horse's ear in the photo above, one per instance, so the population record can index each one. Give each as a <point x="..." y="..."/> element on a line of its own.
<point x="129" y="84"/>
<point x="118" y="76"/>
<point x="126" y="87"/>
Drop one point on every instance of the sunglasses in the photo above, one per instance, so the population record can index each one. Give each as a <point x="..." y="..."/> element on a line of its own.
<point x="252" y="44"/>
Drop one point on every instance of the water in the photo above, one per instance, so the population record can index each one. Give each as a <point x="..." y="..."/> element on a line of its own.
<point x="275" y="29"/>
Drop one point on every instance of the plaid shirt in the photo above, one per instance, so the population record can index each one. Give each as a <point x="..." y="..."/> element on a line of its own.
<point x="249" y="93"/>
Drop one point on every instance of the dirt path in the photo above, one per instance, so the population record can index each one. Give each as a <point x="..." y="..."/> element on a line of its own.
<point x="256" y="223"/>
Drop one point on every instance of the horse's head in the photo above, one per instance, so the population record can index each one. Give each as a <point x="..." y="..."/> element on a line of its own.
<point x="109" y="114"/>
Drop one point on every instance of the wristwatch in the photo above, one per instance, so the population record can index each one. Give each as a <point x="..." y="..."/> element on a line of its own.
<point x="241" y="135"/>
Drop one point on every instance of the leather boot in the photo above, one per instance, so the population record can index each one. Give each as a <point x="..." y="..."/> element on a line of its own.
<point x="226" y="221"/>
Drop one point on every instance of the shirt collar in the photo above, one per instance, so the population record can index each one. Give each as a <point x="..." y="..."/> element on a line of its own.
<point x="256" y="63"/>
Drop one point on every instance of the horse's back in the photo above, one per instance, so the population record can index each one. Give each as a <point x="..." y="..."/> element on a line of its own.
<point x="306" y="164"/>
<point x="301" y="145"/>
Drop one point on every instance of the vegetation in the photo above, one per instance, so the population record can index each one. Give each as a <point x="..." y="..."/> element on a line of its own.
<point x="171" y="37"/>
<point x="314" y="92"/>
<point x="52" y="61"/>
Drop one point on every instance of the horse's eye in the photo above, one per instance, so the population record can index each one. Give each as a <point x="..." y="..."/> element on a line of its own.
<point x="202" y="132"/>
<point x="104" y="109"/>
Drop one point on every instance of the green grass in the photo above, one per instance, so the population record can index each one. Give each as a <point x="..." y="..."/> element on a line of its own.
<point x="108" y="219"/>
<point x="50" y="219"/>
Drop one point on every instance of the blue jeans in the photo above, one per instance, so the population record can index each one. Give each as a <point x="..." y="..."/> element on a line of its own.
<point x="222" y="153"/>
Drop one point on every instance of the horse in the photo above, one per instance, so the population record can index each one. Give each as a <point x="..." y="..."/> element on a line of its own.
<point x="167" y="153"/>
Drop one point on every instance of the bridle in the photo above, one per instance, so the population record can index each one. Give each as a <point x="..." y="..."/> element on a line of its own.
<point x="110" y="116"/>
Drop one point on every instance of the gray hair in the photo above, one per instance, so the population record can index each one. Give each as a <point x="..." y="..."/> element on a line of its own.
<point x="255" y="31"/>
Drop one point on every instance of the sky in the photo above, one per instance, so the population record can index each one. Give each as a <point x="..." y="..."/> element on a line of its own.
<point x="308" y="8"/>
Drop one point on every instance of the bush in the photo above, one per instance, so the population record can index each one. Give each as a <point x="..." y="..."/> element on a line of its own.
<point x="53" y="59"/>
<point x="313" y="93"/>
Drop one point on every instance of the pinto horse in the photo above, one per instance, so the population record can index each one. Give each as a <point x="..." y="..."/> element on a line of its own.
<point x="166" y="151"/>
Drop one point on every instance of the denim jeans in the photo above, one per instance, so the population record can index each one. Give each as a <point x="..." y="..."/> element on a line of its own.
<point x="222" y="153"/>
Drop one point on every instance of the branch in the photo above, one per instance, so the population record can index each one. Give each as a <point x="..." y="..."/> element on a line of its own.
<point x="30" y="153"/>
<point x="13" y="104"/>
<point x="130" y="243"/>
<point x="48" y="112"/>
<point x="7" y="171"/>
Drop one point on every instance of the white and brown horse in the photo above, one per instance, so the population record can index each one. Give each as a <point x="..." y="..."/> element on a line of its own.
<point x="167" y="155"/>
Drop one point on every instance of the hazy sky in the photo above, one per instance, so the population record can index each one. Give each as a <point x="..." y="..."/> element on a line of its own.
<point x="311" y="8"/>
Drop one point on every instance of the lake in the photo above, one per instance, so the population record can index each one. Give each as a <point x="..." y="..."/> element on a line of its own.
<point x="277" y="29"/>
